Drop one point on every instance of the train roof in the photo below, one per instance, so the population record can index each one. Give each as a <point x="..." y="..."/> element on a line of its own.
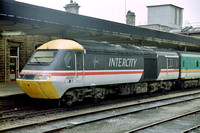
<point x="188" y="54"/>
<point x="93" y="46"/>
<point x="61" y="44"/>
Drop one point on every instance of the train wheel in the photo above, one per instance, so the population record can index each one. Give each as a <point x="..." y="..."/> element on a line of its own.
<point x="68" y="101"/>
<point x="96" y="100"/>
<point x="65" y="101"/>
<point x="59" y="103"/>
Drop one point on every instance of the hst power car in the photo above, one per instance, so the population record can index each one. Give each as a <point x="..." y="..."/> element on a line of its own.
<point x="72" y="70"/>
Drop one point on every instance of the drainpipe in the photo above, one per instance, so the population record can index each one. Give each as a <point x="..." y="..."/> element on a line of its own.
<point x="5" y="57"/>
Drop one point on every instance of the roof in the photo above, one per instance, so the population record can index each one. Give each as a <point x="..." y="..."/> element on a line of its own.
<point x="99" y="47"/>
<point x="61" y="44"/>
<point x="39" y="20"/>
<point x="94" y="46"/>
<point x="165" y="5"/>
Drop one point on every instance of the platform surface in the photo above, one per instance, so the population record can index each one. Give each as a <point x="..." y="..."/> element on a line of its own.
<point x="9" y="89"/>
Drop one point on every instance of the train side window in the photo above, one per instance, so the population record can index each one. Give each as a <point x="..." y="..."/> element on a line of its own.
<point x="183" y="63"/>
<point x="79" y="60"/>
<point x="197" y="63"/>
<point x="177" y="63"/>
<point x="170" y="63"/>
<point x="68" y="60"/>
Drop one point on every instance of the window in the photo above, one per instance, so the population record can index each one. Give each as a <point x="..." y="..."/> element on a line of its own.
<point x="175" y="16"/>
<point x="43" y="56"/>
<point x="177" y="63"/>
<point x="183" y="63"/>
<point x="68" y="60"/>
<point x="13" y="51"/>
<point x="170" y="62"/>
<point x="197" y="63"/>
<point x="79" y="61"/>
<point x="180" y="17"/>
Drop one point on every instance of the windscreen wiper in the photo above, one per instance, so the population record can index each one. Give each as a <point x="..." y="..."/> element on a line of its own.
<point x="36" y="58"/>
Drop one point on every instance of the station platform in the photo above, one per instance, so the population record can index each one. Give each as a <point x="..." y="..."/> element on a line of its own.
<point x="10" y="89"/>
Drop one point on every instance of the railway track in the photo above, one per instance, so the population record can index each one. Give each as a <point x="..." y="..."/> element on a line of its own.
<point x="142" y="129"/>
<point x="191" y="129"/>
<point x="28" y="113"/>
<point x="77" y="118"/>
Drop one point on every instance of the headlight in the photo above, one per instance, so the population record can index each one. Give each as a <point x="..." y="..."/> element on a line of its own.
<point x="42" y="77"/>
<point x="21" y="76"/>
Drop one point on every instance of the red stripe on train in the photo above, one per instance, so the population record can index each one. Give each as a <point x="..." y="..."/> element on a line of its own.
<point x="168" y="71"/>
<point x="85" y="73"/>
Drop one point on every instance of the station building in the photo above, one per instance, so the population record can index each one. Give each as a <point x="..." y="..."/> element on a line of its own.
<point x="15" y="52"/>
<point x="168" y="15"/>
<point x="16" y="48"/>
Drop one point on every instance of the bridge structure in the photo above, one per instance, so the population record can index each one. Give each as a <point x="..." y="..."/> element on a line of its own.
<point x="36" y="20"/>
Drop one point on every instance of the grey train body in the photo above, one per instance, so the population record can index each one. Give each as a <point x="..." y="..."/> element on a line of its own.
<point x="100" y="69"/>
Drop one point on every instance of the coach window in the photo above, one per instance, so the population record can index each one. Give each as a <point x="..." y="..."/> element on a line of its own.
<point x="183" y="63"/>
<point x="170" y="63"/>
<point x="68" y="60"/>
<point x="197" y="63"/>
<point x="177" y="63"/>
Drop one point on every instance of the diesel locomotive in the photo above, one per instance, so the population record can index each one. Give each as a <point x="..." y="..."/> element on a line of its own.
<point x="71" y="70"/>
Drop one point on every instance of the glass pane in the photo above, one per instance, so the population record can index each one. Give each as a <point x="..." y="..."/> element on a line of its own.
<point x="79" y="59"/>
<point x="68" y="60"/>
<point x="43" y="56"/>
<point x="13" y="51"/>
<point x="12" y="64"/>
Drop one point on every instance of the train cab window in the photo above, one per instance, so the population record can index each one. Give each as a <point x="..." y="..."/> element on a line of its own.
<point x="197" y="63"/>
<point x="79" y="61"/>
<point x="68" y="61"/>
<point x="43" y="56"/>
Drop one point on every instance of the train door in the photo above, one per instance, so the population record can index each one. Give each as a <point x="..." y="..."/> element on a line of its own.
<point x="79" y="69"/>
<point x="150" y="68"/>
<point x="168" y="62"/>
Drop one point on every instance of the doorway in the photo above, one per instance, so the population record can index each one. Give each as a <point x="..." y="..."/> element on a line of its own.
<point x="14" y="63"/>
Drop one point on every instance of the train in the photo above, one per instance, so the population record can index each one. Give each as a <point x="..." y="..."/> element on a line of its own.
<point x="72" y="70"/>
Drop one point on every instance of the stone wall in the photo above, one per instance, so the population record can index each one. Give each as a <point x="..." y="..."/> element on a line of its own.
<point x="26" y="44"/>
<point x="2" y="59"/>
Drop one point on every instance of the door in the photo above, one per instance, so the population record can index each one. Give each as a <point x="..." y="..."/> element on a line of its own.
<point x="150" y="68"/>
<point x="13" y="68"/>
<point x="79" y="67"/>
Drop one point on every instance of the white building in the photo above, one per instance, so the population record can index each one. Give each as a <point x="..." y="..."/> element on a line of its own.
<point x="168" y="15"/>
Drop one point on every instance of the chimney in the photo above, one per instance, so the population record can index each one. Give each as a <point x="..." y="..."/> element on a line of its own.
<point x="72" y="7"/>
<point x="130" y="18"/>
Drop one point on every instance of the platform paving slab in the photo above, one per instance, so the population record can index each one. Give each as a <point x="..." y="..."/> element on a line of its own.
<point x="9" y="89"/>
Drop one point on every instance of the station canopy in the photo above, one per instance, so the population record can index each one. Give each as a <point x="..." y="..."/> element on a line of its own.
<point x="36" y="20"/>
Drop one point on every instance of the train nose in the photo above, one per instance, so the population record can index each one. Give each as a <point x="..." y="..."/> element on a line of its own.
<point x="38" y="88"/>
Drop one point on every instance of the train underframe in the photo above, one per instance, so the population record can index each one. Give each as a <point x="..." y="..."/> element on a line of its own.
<point x="100" y="92"/>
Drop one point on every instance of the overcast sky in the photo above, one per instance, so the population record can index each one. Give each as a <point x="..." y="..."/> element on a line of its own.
<point x="114" y="10"/>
